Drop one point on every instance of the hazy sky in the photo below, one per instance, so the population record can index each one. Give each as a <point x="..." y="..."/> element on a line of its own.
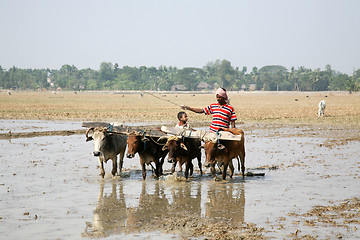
<point x="181" y="33"/>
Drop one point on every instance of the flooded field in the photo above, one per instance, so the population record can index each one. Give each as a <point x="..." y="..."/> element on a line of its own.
<point x="50" y="188"/>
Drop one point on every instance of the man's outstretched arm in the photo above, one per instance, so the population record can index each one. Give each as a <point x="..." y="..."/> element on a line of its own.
<point x="195" y="110"/>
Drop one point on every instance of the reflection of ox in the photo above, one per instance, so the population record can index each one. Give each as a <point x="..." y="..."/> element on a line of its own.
<point x="223" y="151"/>
<point x="186" y="199"/>
<point x="183" y="150"/>
<point x="226" y="202"/>
<point x="157" y="209"/>
<point x="107" y="146"/>
<point x="110" y="214"/>
<point x="148" y="149"/>
<point x="153" y="206"/>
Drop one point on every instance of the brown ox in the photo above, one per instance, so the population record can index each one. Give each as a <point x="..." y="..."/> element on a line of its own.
<point x="107" y="146"/>
<point x="149" y="151"/>
<point x="183" y="150"/>
<point x="223" y="151"/>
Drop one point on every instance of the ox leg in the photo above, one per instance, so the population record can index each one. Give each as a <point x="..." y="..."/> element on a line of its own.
<point x="225" y="166"/>
<point x="173" y="167"/>
<point x="191" y="166"/>
<point x="143" y="168"/>
<point x="152" y="168"/>
<point x="242" y="159"/>
<point x="212" y="169"/>
<point x="180" y="166"/>
<point x="121" y="161"/>
<point x="199" y="164"/>
<point x="231" y="166"/>
<point x="114" y="169"/>
<point x="157" y="168"/>
<point x="187" y="167"/>
<point x="161" y="165"/>
<point x="101" y="165"/>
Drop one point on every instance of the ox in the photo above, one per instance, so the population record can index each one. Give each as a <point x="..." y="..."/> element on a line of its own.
<point x="322" y="105"/>
<point x="183" y="150"/>
<point x="107" y="146"/>
<point x="149" y="151"/>
<point x="223" y="151"/>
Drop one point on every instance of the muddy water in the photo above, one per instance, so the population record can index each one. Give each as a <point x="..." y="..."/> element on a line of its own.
<point x="50" y="188"/>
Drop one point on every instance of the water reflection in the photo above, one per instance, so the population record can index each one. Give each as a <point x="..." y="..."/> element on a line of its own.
<point x="186" y="198"/>
<point x="159" y="203"/>
<point x="226" y="202"/>
<point x="153" y="206"/>
<point x="110" y="213"/>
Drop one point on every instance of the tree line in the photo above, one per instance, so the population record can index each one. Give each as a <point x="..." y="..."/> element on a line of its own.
<point x="217" y="73"/>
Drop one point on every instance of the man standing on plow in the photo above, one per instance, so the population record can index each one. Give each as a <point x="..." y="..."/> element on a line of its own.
<point x="223" y="113"/>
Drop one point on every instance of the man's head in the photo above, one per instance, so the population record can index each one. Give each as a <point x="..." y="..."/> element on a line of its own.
<point x="182" y="116"/>
<point x="221" y="96"/>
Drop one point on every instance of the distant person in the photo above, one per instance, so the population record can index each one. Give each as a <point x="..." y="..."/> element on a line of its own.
<point x="223" y="113"/>
<point x="183" y="124"/>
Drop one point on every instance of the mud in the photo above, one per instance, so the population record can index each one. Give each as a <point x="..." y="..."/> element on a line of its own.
<point x="50" y="188"/>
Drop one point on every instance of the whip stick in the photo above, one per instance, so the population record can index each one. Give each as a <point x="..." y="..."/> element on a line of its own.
<point x="167" y="100"/>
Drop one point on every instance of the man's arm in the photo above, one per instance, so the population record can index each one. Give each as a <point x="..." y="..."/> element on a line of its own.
<point x="195" y="110"/>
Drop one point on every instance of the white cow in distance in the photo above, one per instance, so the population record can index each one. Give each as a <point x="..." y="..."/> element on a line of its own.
<point x="322" y="105"/>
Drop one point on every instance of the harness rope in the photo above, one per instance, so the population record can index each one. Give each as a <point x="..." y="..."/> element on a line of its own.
<point x="110" y="127"/>
<point x="217" y="136"/>
<point x="160" y="144"/>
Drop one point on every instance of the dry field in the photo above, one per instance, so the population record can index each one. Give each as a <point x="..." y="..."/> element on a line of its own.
<point x="251" y="107"/>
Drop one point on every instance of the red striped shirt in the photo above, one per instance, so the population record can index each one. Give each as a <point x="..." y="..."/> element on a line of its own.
<point x="222" y="116"/>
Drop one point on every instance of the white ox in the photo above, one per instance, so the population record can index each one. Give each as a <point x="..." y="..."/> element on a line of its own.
<point x="107" y="146"/>
<point x="322" y="105"/>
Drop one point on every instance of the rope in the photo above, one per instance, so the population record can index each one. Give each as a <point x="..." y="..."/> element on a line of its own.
<point x="167" y="100"/>
<point x="160" y="144"/>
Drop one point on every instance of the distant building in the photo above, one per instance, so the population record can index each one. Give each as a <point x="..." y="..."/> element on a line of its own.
<point x="252" y="87"/>
<point x="203" y="86"/>
<point x="178" y="88"/>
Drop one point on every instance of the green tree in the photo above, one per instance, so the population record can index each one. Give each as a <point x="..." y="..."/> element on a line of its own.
<point x="353" y="83"/>
<point x="106" y="75"/>
<point x="190" y="77"/>
<point x="226" y="73"/>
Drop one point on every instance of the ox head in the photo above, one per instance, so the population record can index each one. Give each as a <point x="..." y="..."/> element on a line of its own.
<point x="136" y="143"/>
<point x="212" y="150"/>
<point x="99" y="136"/>
<point x="175" y="146"/>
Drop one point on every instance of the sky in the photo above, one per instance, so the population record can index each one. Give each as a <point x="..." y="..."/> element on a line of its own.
<point x="180" y="33"/>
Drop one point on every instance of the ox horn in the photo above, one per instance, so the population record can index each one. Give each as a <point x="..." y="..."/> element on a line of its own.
<point x="87" y="134"/>
<point x="162" y="138"/>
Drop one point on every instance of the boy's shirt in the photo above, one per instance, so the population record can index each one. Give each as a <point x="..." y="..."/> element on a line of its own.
<point x="179" y="125"/>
